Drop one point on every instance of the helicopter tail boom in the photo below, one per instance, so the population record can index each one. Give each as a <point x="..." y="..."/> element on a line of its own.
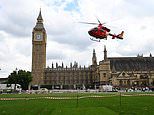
<point x="119" y="36"/>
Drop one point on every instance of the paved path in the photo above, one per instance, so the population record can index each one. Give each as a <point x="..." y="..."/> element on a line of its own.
<point x="80" y="97"/>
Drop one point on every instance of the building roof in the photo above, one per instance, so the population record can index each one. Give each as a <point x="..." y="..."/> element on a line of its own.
<point x="39" y="24"/>
<point x="132" y="63"/>
<point x="2" y="80"/>
<point x="39" y="18"/>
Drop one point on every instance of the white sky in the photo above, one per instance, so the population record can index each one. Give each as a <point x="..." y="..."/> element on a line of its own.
<point x="68" y="40"/>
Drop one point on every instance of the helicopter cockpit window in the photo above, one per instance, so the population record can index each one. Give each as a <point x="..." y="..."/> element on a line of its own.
<point x="102" y="30"/>
<point x="95" y="29"/>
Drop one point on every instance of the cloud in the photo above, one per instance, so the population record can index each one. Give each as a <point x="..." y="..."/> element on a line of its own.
<point x="140" y="8"/>
<point x="65" y="29"/>
<point x="55" y="52"/>
<point x="68" y="41"/>
<point x="17" y="16"/>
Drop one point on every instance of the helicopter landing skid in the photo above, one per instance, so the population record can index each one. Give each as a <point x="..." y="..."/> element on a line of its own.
<point x="94" y="40"/>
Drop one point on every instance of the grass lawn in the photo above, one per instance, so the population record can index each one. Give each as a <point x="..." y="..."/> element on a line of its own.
<point x="108" y="105"/>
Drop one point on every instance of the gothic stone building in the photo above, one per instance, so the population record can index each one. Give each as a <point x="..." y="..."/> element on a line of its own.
<point x="59" y="77"/>
<point x="38" y="52"/>
<point x="72" y="77"/>
<point x="117" y="71"/>
<point x="127" y="71"/>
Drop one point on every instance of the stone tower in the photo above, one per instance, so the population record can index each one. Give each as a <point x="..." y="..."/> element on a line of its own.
<point x="94" y="59"/>
<point x="38" y="51"/>
<point x="94" y="69"/>
<point x="105" y="53"/>
<point x="104" y="69"/>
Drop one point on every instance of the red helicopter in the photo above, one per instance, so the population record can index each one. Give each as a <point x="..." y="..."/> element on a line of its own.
<point x="102" y="32"/>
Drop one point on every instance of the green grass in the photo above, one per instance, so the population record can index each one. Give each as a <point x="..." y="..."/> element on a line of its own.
<point x="134" y="105"/>
<point x="55" y="95"/>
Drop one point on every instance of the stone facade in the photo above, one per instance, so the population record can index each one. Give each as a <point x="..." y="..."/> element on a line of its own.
<point x="58" y="76"/>
<point x="38" y="51"/>
<point x="127" y="71"/>
<point x="69" y="77"/>
<point x="73" y="77"/>
<point x="117" y="71"/>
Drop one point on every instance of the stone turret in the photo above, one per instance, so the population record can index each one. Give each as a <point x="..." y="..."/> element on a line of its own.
<point x="39" y="39"/>
<point x="94" y="58"/>
<point x="39" y="24"/>
<point x="105" y="53"/>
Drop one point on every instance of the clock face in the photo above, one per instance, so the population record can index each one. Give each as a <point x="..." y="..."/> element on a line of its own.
<point x="39" y="37"/>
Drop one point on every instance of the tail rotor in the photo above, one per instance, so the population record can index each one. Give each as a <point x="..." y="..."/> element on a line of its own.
<point x="120" y="36"/>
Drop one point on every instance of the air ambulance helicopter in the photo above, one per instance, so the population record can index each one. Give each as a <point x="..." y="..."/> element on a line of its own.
<point x="101" y="32"/>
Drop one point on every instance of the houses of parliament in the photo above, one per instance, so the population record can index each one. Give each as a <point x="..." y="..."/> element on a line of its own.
<point x="117" y="71"/>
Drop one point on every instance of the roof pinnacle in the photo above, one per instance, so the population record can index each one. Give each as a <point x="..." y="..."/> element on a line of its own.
<point x="40" y="16"/>
<point x="93" y="50"/>
<point x="39" y="23"/>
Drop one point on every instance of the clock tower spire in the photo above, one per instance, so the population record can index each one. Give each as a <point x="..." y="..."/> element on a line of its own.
<point x="38" y="51"/>
<point x="39" y="23"/>
<point x="94" y="59"/>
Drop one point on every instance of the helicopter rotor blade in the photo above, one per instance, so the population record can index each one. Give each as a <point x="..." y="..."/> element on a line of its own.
<point x="98" y="20"/>
<point x="89" y="23"/>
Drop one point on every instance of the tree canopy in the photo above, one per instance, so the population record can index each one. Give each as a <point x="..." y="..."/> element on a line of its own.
<point x="21" y="77"/>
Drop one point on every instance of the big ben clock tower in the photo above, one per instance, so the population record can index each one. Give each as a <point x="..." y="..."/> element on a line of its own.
<point x="38" y="51"/>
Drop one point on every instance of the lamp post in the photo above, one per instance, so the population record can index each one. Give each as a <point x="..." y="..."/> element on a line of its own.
<point x="16" y="70"/>
<point x="120" y="102"/>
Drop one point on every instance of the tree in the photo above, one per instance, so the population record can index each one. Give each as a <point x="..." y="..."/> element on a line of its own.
<point x="21" y="77"/>
<point x="13" y="79"/>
